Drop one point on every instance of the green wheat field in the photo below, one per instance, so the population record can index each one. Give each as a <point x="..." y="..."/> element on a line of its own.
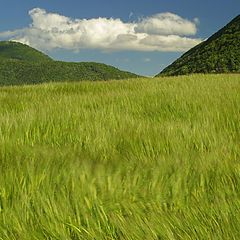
<point x="133" y="159"/>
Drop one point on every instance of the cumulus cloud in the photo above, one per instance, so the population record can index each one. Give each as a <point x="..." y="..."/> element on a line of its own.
<point x="161" y="32"/>
<point x="166" y="24"/>
<point x="168" y="43"/>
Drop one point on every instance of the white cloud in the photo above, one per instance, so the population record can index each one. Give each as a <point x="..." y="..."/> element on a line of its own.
<point x="161" y="32"/>
<point x="166" y="24"/>
<point x="169" y="43"/>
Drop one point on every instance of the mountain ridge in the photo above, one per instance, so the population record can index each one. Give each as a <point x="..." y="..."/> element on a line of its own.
<point x="220" y="53"/>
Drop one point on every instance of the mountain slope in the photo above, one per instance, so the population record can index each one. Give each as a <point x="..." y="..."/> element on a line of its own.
<point x="19" y="51"/>
<point x="21" y="64"/>
<point x="13" y="72"/>
<point x="218" y="54"/>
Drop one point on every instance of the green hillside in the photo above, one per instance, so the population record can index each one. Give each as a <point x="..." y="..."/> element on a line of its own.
<point x="219" y="54"/>
<point x="21" y="64"/>
<point x="124" y="160"/>
<point x="19" y="51"/>
<point x="13" y="72"/>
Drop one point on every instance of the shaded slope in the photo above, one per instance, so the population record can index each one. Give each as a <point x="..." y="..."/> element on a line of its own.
<point x="219" y="54"/>
<point x="21" y="64"/>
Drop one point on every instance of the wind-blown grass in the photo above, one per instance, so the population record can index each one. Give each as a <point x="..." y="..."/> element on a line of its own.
<point x="139" y="159"/>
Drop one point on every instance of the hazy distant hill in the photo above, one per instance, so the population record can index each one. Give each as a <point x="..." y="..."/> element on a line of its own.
<point x="21" y="64"/>
<point x="219" y="54"/>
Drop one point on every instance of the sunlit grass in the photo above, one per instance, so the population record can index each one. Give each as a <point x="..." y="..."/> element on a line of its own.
<point x="138" y="159"/>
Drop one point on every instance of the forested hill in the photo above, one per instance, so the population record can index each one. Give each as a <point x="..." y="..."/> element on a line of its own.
<point x="19" y="51"/>
<point x="218" y="54"/>
<point x="21" y="64"/>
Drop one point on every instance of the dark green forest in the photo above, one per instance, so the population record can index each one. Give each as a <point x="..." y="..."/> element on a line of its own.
<point x="218" y="54"/>
<point x="21" y="64"/>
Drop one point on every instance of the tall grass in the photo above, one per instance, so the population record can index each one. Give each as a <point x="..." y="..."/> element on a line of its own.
<point x="140" y="159"/>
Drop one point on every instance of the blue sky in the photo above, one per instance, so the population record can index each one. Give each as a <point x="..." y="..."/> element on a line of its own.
<point x="152" y="33"/>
